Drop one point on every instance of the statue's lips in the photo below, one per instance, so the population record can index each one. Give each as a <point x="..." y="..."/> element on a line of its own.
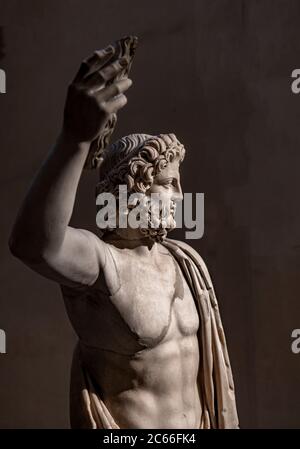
<point x="173" y="208"/>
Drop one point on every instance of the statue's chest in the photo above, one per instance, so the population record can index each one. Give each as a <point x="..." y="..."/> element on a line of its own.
<point x="137" y="305"/>
<point x="155" y="301"/>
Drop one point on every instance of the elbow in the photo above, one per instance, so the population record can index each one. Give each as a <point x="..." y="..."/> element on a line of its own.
<point x="28" y="250"/>
<point x="12" y="245"/>
<point x="15" y="247"/>
<point x="16" y="241"/>
<point x="23" y="249"/>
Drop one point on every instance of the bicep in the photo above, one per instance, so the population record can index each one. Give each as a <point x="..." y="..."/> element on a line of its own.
<point x="77" y="262"/>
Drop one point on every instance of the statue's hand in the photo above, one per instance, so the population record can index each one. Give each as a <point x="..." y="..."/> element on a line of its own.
<point x="90" y="101"/>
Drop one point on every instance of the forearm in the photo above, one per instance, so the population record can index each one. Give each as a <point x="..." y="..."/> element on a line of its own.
<point x="46" y="211"/>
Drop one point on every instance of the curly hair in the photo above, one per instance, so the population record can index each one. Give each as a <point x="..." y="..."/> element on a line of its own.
<point x="135" y="160"/>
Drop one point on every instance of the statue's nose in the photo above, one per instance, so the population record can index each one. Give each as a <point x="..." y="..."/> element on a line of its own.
<point x="177" y="195"/>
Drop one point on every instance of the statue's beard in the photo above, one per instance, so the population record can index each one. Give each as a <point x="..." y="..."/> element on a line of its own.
<point x="159" y="222"/>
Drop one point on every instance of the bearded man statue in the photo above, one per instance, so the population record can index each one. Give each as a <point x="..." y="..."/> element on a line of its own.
<point x="151" y="350"/>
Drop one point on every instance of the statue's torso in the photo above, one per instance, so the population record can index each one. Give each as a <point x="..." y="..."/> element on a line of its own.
<point x="138" y="331"/>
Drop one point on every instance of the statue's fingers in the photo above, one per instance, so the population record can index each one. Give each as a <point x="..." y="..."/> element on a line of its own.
<point x="98" y="79"/>
<point x="93" y="63"/>
<point x="118" y="102"/>
<point x="107" y="93"/>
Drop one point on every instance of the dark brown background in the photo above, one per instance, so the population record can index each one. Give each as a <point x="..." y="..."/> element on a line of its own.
<point x="217" y="73"/>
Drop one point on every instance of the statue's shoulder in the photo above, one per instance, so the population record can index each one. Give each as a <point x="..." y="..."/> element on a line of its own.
<point x="188" y="249"/>
<point x="191" y="252"/>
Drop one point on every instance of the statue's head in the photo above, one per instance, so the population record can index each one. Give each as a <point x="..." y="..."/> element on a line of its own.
<point x="145" y="164"/>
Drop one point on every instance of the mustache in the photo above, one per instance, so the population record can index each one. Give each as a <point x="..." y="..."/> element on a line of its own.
<point x="159" y="223"/>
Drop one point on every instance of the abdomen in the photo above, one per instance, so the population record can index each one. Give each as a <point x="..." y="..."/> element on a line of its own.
<point x="155" y="389"/>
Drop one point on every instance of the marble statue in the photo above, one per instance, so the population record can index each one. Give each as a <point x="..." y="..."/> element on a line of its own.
<point x="151" y="350"/>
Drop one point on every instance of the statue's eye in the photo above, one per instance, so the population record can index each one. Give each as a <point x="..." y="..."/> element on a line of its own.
<point x="168" y="183"/>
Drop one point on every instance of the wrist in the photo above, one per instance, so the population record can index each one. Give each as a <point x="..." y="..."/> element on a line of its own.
<point x="70" y="140"/>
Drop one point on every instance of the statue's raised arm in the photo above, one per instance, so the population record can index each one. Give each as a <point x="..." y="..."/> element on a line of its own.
<point x="41" y="236"/>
